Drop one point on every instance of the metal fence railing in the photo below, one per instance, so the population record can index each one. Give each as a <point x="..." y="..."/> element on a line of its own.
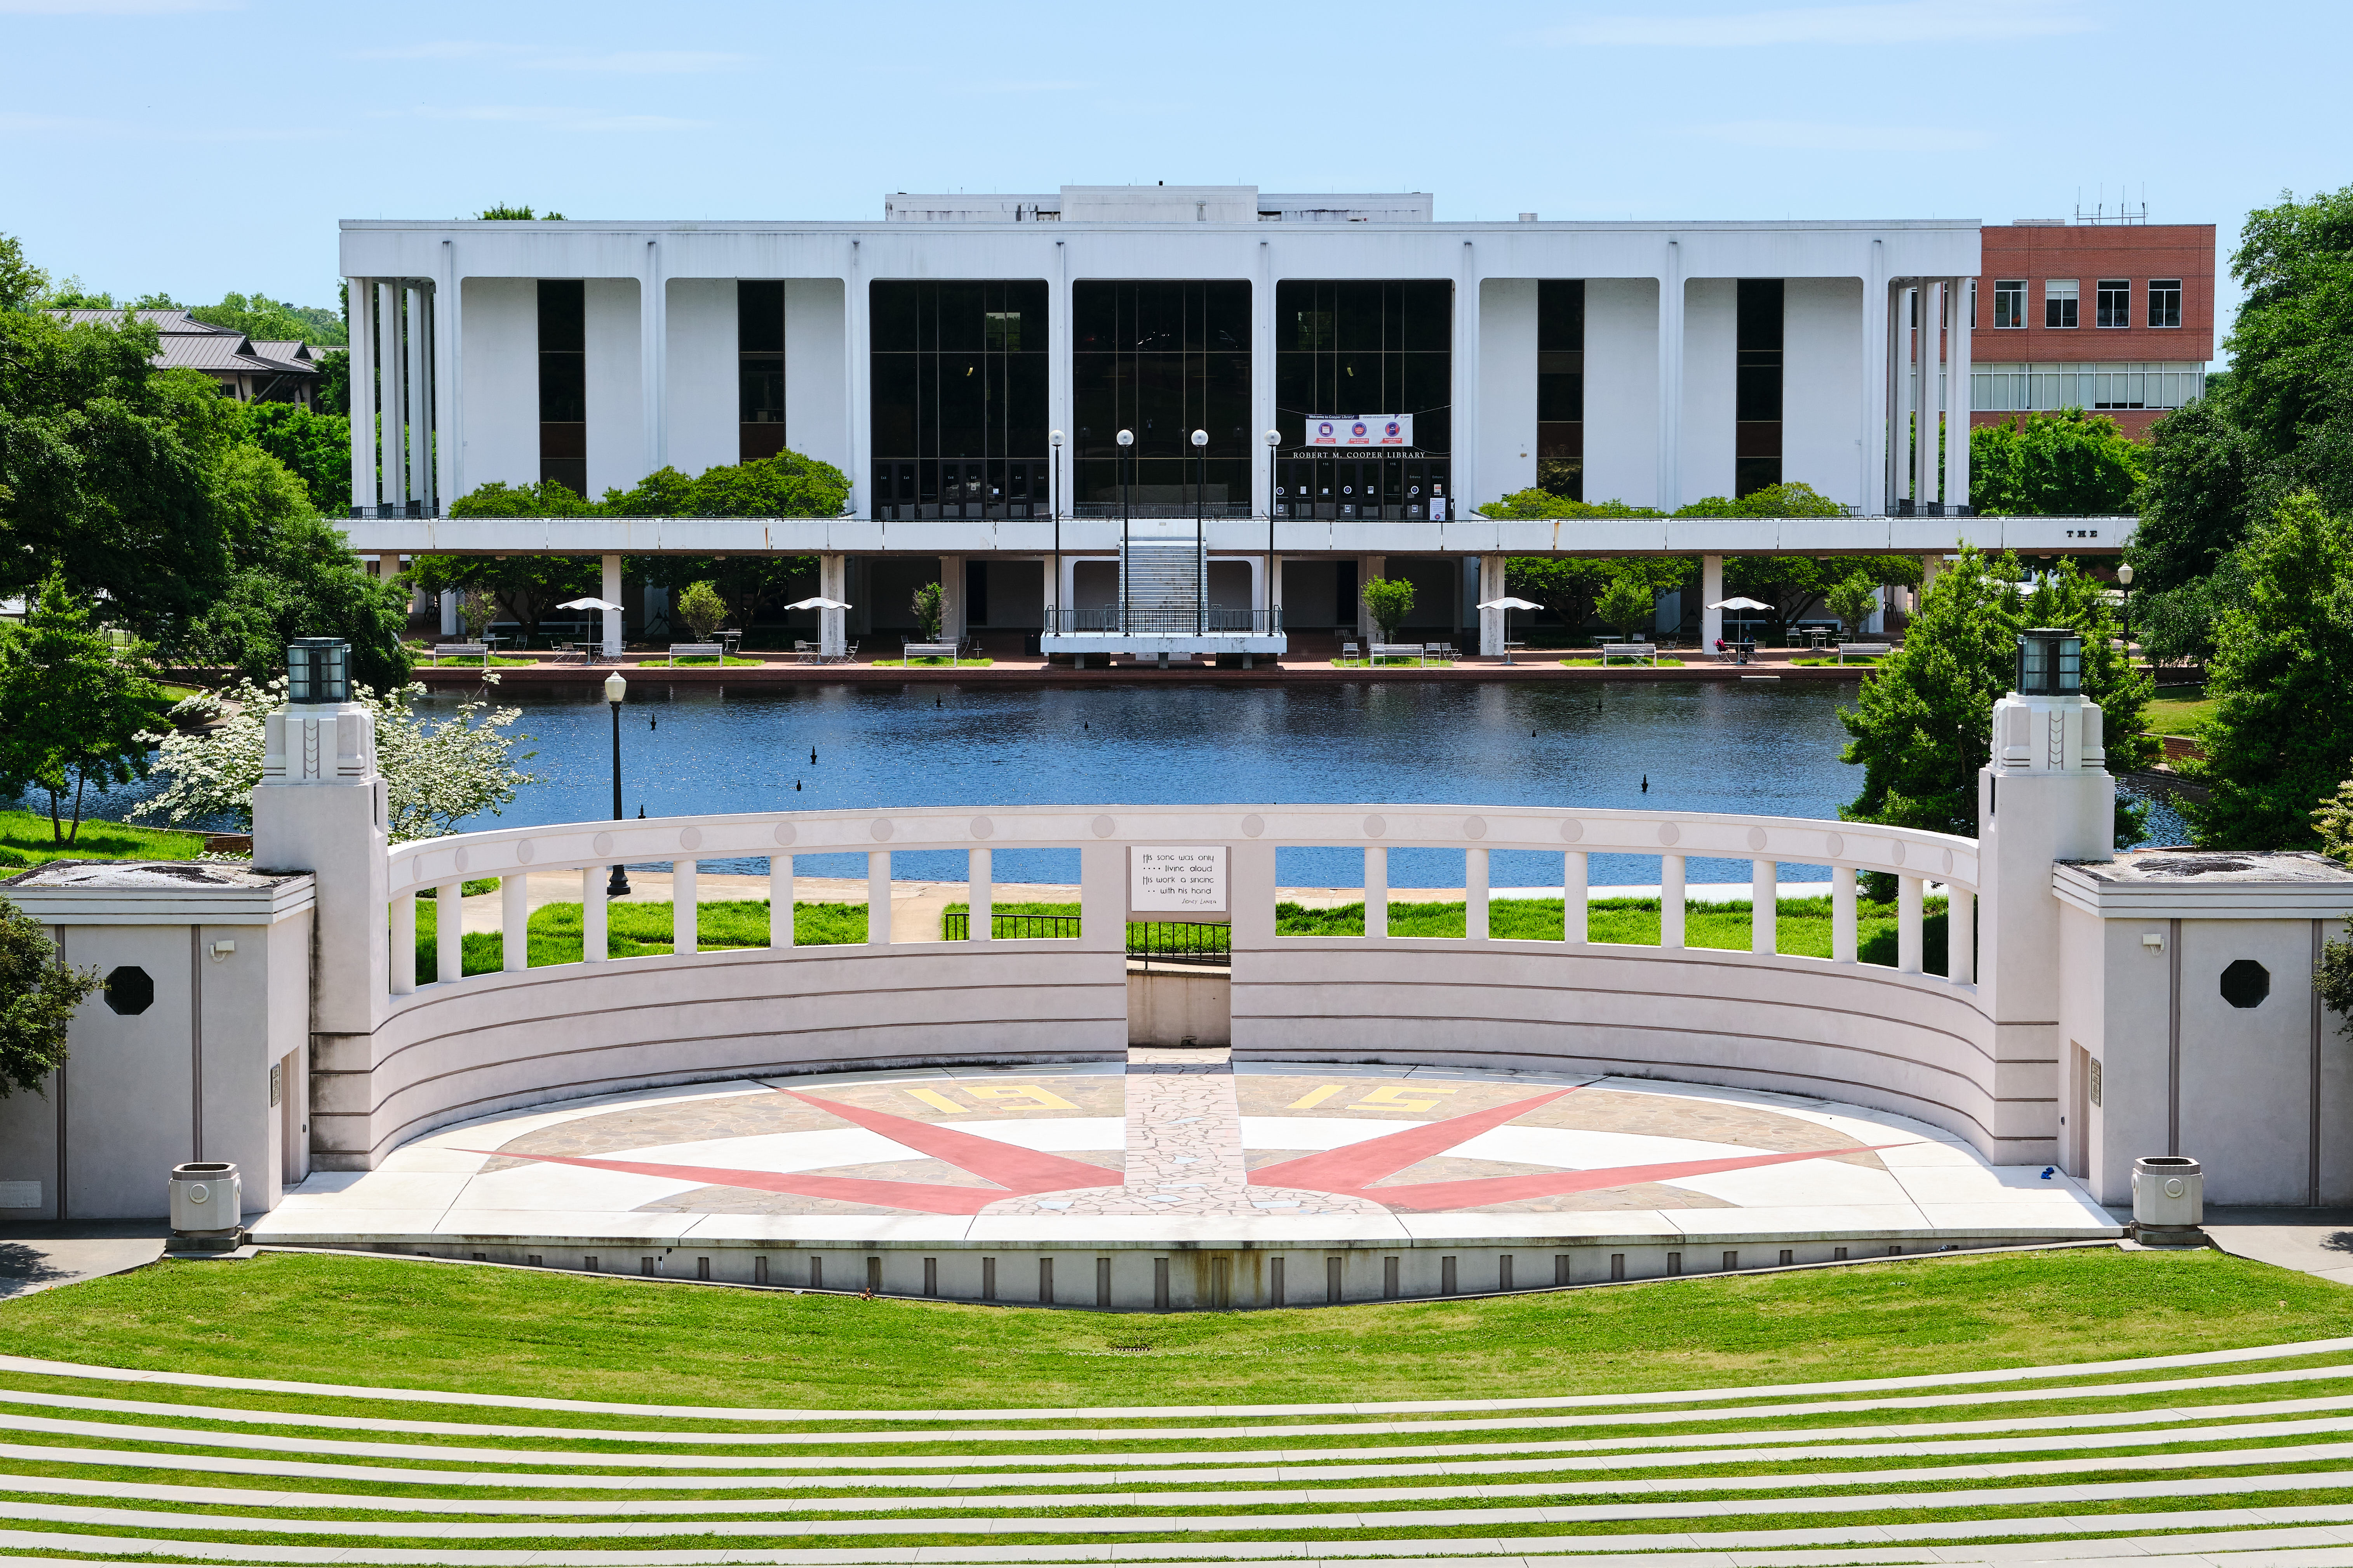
<point x="1156" y="622"/>
<point x="1179" y="942"/>
<point x="957" y="927"/>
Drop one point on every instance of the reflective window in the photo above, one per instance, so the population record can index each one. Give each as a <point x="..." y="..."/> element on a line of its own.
<point x="1560" y="386"/>
<point x="759" y="362"/>
<point x="2061" y="298"/>
<point x="563" y="383"/>
<point x="2115" y="302"/>
<point x="1756" y="389"/>
<point x="1360" y="347"/>
<point x="2165" y="301"/>
<point x="1162" y="360"/>
<point x="2009" y="302"/>
<point x="958" y="373"/>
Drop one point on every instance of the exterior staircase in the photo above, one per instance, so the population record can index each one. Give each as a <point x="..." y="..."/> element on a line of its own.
<point x="1162" y="582"/>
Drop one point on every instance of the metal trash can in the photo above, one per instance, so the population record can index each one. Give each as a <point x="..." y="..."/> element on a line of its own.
<point x="208" y="1199"/>
<point x="2168" y="1201"/>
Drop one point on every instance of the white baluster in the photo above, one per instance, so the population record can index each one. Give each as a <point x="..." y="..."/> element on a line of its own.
<point x="595" y="948"/>
<point x="1961" y="937"/>
<point x="1376" y="890"/>
<point x="980" y="897"/>
<point x="1670" y="900"/>
<point x="1842" y="941"/>
<point x="515" y="922"/>
<point x="780" y="901"/>
<point x="403" y="945"/>
<point x="1574" y="928"/>
<point x="1907" y="925"/>
<point x="450" y="932"/>
<point x="1474" y="894"/>
<point x="1764" y="906"/>
<point x="682" y="907"/>
<point x="878" y="898"/>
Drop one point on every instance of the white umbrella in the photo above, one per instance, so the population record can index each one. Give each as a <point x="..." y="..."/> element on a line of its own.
<point x="1507" y="606"/>
<point x="1738" y="604"/>
<point x="607" y="605"/>
<point x="819" y="603"/>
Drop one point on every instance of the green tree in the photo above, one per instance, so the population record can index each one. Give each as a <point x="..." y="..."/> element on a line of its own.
<point x="2280" y="738"/>
<point x="1628" y="606"/>
<point x="257" y="315"/>
<point x="504" y="213"/>
<point x="930" y="606"/>
<point x="527" y="587"/>
<point x="1794" y="584"/>
<point x="1571" y="586"/>
<point x="1790" y="499"/>
<point x="1391" y="601"/>
<point x="296" y="577"/>
<point x="1542" y="504"/>
<point x="701" y="608"/>
<point x="74" y="710"/>
<point x="549" y="498"/>
<point x="334" y="393"/>
<point x="1852" y="600"/>
<point x="2294" y="334"/>
<point x="39" y="996"/>
<point x="316" y="446"/>
<point x="2049" y="465"/>
<point x="2193" y="502"/>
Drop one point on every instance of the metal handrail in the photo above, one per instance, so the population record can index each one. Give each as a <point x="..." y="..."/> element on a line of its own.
<point x="1159" y="941"/>
<point x="1011" y="927"/>
<point x="1107" y="620"/>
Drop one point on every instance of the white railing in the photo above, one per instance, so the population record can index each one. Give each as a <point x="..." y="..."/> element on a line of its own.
<point x="1252" y="834"/>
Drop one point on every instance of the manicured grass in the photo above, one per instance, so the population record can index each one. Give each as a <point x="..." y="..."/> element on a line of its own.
<point x="363" y="1320"/>
<point x="25" y="840"/>
<point x="931" y="663"/>
<point x="2177" y="710"/>
<point x="1802" y="928"/>
<point x="1393" y="664"/>
<point x="634" y="931"/>
<point x="732" y="661"/>
<point x="1662" y="661"/>
<point x="1856" y="662"/>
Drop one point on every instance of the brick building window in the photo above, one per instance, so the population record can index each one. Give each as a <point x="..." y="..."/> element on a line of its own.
<point x="2165" y="301"/>
<point x="2116" y="302"/>
<point x="2009" y="302"/>
<point x="2062" y="298"/>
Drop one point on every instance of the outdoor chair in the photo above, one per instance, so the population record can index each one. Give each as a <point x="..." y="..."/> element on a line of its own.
<point x="1348" y="653"/>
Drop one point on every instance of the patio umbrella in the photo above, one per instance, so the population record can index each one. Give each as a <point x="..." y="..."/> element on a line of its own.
<point x="1507" y="606"/>
<point x="819" y="603"/>
<point x="604" y="604"/>
<point x="1738" y="604"/>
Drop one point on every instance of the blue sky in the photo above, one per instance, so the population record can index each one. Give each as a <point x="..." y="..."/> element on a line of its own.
<point x="202" y="145"/>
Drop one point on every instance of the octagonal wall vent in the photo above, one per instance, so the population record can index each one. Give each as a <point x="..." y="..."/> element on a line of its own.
<point x="129" y="990"/>
<point x="2246" y="983"/>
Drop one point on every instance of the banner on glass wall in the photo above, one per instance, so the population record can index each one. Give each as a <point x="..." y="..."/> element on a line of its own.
<point x="1360" y="430"/>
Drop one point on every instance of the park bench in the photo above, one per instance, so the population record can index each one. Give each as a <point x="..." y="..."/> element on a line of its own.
<point x="1640" y="652"/>
<point x="461" y="650"/>
<point x="1864" y="650"/>
<point x="1415" y="651"/>
<point x="915" y="650"/>
<point x="679" y="650"/>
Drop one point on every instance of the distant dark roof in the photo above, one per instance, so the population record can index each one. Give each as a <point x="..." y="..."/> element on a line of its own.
<point x="187" y="343"/>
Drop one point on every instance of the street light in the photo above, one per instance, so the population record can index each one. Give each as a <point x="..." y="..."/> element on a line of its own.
<point x="1273" y="439"/>
<point x="2124" y="576"/>
<point x="1127" y="445"/>
<point x="1054" y="609"/>
<point x="615" y="690"/>
<point x="1200" y="509"/>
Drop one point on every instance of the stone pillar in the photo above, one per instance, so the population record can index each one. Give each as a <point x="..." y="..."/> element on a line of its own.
<point x="392" y="368"/>
<point x="1492" y="623"/>
<point x="1711" y="593"/>
<point x="611" y="594"/>
<point x="1926" y="343"/>
<point x="361" y="291"/>
<point x="1367" y="568"/>
<point x="1670" y="377"/>
<point x="1275" y="593"/>
<point x="450" y="625"/>
<point x="320" y="807"/>
<point x="832" y="582"/>
<point x="952" y="607"/>
<point x="417" y="380"/>
<point x="1052" y="597"/>
<point x="1957" y="394"/>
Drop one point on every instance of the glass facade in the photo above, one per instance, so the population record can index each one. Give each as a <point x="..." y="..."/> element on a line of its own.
<point x="1560" y="386"/>
<point x="1757" y="390"/>
<point x="1364" y="347"/>
<point x="563" y="383"/>
<point x="1163" y="359"/>
<point x="2045" y="388"/>
<point x="759" y="362"/>
<point x="959" y="399"/>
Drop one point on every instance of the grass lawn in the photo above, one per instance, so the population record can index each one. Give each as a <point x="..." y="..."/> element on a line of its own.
<point x="634" y="931"/>
<point x="363" y="1320"/>
<point x="25" y="840"/>
<point x="2177" y="710"/>
<point x="1393" y="664"/>
<point x="1855" y="662"/>
<point x="932" y="663"/>
<point x="1662" y="661"/>
<point x="731" y="661"/>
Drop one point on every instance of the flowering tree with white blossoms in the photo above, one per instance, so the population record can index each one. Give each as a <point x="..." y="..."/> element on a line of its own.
<point x="437" y="772"/>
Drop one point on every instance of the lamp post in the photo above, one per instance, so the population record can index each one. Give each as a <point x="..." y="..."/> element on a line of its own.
<point x="1126" y="447"/>
<point x="1273" y="439"/>
<point x="1201" y="531"/>
<point x="1054" y="607"/>
<point x="615" y="690"/>
<point x="2124" y="576"/>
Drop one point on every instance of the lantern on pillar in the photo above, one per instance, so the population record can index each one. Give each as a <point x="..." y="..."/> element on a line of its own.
<point x="318" y="672"/>
<point x="2049" y="662"/>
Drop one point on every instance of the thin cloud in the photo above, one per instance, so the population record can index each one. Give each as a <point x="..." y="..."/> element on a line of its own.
<point x="1898" y="22"/>
<point x="87" y="129"/>
<point x="529" y="56"/>
<point x="1817" y="136"/>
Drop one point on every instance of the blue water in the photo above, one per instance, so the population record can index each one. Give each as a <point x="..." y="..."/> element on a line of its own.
<point x="1758" y="747"/>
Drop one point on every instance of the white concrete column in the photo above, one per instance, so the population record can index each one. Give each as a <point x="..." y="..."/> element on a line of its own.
<point x="1895" y="456"/>
<point x="1907" y="925"/>
<point x="980" y="895"/>
<point x="878" y="898"/>
<point x="593" y="946"/>
<point x="1958" y="395"/>
<point x="403" y="945"/>
<point x="387" y="565"/>
<point x="1711" y="592"/>
<point x="682" y="907"/>
<point x="1052" y="591"/>
<point x="1574" y="929"/>
<point x="360" y="292"/>
<point x="449" y="467"/>
<point x="1465" y="469"/>
<point x="1960" y="937"/>
<point x="514" y="923"/>
<point x="1376" y="890"/>
<point x="1671" y="376"/>
<point x="449" y="932"/>
<point x="832" y="582"/>
<point x="1275" y="593"/>
<point x="781" y="931"/>
<point x="1474" y="894"/>
<point x="1870" y="429"/>
<point x="450" y="625"/>
<point x="1367" y="568"/>
<point x="653" y="355"/>
<point x="416" y="378"/>
<point x="952" y="607"/>
<point x="1924" y="350"/>
<point x="1842" y="933"/>
<point x="1492" y="623"/>
<point x="611" y="594"/>
<point x="1670" y="900"/>
<point x="393" y="394"/>
<point x="1764" y="906"/>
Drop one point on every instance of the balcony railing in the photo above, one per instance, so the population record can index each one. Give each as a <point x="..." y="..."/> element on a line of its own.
<point x="1109" y="620"/>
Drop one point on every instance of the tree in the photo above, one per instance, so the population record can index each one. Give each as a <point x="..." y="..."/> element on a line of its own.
<point x="1852" y="601"/>
<point x="1794" y="584"/>
<point x="1628" y="605"/>
<point x="438" y="773"/>
<point x="1389" y="601"/>
<point x="2049" y="465"/>
<point x="2294" y="333"/>
<point x="1541" y="504"/>
<point x="2193" y="502"/>
<point x="334" y="393"/>
<point x="525" y="586"/>
<point x="930" y="606"/>
<point x="477" y="611"/>
<point x="504" y="213"/>
<point x="700" y="606"/>
<point x="38" y="995"/>
<point x="2280" y="735"/>
<point x="73" y="708"/>
<point x="257" y="315"/>
<point x="1789" y="499"/>
<point x="315" y="447"/>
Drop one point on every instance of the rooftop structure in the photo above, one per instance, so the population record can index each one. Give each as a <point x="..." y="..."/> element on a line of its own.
<point x="252" y="369"/>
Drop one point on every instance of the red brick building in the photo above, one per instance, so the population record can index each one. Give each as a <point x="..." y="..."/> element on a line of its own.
<point x="2114" y="317"/>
